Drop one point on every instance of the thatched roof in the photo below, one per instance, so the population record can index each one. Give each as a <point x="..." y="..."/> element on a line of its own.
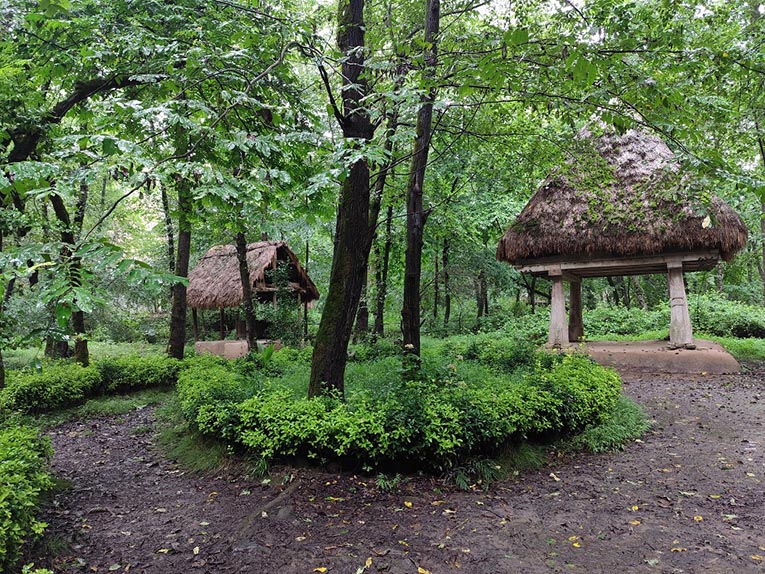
<point x="215" y="281"/>
<point x="623" y="196"/>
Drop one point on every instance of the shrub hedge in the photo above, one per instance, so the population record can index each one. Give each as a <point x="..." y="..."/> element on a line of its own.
<point x="431" y="423"/>
<point x="66" y="384"/>
<point x="24" y="457"/>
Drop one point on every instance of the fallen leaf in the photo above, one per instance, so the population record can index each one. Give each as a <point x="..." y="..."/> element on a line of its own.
<point x="368" y="563"/>
<point x="407" y="504"/>
<point x="320" y="569"/>
<point x="437" y="502"/>
<point x="698" y="518"/>
<point x="757" y="557"/>
<point x="714" y="496"/>
<point x="196" y="550"/>
<point x="403" y="543"/>
<point x="577" y="545"/>
<point x="160" y="510"/>
<point x="163" y="551"/>
<point x="554" y="477"/>
<point x="114" y="567"/>
<point x="634" y="507"/>
<point x="678" y="549"/>
<point x="634" y="522"/>
<point x="421" y="570"/>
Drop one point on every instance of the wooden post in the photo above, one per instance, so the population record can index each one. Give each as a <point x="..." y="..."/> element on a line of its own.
<point x="680" y="332"/>
<point x="222" y="326"/>
<point x="195" y="324"/>
<point x="558" y="327"/>
<point x="575" y="323"/>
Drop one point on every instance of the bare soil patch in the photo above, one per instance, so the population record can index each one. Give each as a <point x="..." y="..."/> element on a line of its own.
<point x="688" y="497"/>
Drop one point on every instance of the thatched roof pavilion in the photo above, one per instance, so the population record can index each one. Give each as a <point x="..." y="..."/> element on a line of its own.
<point x="215" y="282"/>
<point x="623" y="207"/>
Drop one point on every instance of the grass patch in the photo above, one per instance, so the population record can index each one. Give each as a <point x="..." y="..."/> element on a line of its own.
<point x="626" y="423"/>
<point x="185" y="445"/>
<point x="742" y="349"/>
<point x="105" y="407"/>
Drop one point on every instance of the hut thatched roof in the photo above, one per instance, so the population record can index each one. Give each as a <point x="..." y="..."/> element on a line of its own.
<point x="624" y="196"/>
<point x="215" y="282"/>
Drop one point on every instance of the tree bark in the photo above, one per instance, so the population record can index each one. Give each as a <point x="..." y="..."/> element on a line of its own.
<point x="362" y="317"/>
<point x="244" y="276"/>
<point x="381" y="276"/>
<point x="436" y="287"/>
<point x="168" y="231"/>
<point x="447" y="286"/>
<point x="639" y="295"/>
<point x="416" y="217"/>
<point x="352" y="236"/>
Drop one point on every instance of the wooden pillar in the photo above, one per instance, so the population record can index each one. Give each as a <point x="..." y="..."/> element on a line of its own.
<point x="680" y="332"/>
<point x="195" y="324"/>
<point x="558" y="327"/>
<point x="575" y="323"/>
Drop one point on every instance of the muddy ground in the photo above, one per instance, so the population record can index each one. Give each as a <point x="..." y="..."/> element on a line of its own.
<point x="688" y="497"/>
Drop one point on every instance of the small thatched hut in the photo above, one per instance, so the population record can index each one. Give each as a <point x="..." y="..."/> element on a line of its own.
<point x="215" y="283"/>
<point x="624" y="207"/>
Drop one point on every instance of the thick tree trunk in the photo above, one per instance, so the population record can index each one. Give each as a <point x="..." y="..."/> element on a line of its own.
<point x="362" y="317"/>
<point x="447" y="286"/>
<point x="381" y="276"/>
<point x="416" y="217"/>
<point x="244" y="276"/>
<point x="352" y="236"/>
<point x="639" y="295"/>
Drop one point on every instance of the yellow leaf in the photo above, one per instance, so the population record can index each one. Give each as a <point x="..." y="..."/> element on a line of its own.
<point x="634" y="507"/>
<point x="421" y="570"/>
<point x="714" y="496"/>
<point x="757" y="557"/>
<point x="678" y="549"/>
<point x="634" y="522"/>
<point x="163" y="551"/>
<point x="573" y="538"/>
<point x="403" y="543"/>
<point x="577" y="545"/>
<point x="368" y="563"/>
<point x="320" y="569"/>
<point x="698" y="518"/>
<point x="408" y="504"/>
<point x="196" y="550"/>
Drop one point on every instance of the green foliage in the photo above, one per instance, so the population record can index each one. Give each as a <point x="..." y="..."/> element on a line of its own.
<point x="607" y="320"/>
<point x="55" y="386"/>
<point x="451" y="412"/>
<point x="624" y="423"/>
<point x="744" y="349"/>
<point x="24" y="457"/>
<point x="134" y="372"/>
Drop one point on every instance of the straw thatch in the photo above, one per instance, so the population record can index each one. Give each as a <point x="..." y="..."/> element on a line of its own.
<point x="215" y="282"/>
<point x="623" y="196"/>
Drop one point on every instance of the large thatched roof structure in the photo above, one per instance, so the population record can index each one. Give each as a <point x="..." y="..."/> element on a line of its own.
<point x="215" y="282"/>
<point x="623" y="196"/>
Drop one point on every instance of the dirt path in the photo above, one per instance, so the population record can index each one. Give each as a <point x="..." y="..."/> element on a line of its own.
<point x="688" y="498"/>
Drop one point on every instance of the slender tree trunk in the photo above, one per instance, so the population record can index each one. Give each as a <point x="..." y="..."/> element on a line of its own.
<point x="244" y="276"/>
<point x="168" y="230"/>
<point x="82" y="205"/>
<point x="436" y="292"/>
<point x="416" y="217"/>
<point x="352" y="236"/>
<point x="381" y="276"/>
<point x="532" y="294"/>
<point x="447" y="286"/>
<point x="177" y="342"/>
<point x="639" y="295"/>
<point x="81" y="354"/>
<point x="362" y="316"/>
<point x="614" y="290"/>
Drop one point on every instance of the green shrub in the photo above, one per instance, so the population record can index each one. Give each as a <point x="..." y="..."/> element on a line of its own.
<point x="624" y="423"/>
<point x="55" y="386"/>
<point x="503" y="354"/>
<point x="449" y="412"/>
<point x="23" y="477"/>
<point x="608" y="320"/>
<point x="119" y="374"/>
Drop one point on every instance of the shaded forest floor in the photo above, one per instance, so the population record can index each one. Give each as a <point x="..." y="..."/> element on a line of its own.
<point x="688" y="497"/>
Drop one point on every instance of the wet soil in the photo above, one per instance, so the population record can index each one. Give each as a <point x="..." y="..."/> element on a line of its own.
<point x="688" y="497"/>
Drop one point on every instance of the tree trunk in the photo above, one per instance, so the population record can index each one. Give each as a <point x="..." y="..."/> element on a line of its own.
<point x="175" y="346"/>
<point x="381" y="276"/>
<point x="362" y="317"/>
<point x="168" y="231"/>
<point x="416" y="217"/>
<point x="639" y="295"/>
<point x="436" y="293"/>
<point x="244" y="276"/>
<point x="447" y="287"/>
<point x="352" y="237"/>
